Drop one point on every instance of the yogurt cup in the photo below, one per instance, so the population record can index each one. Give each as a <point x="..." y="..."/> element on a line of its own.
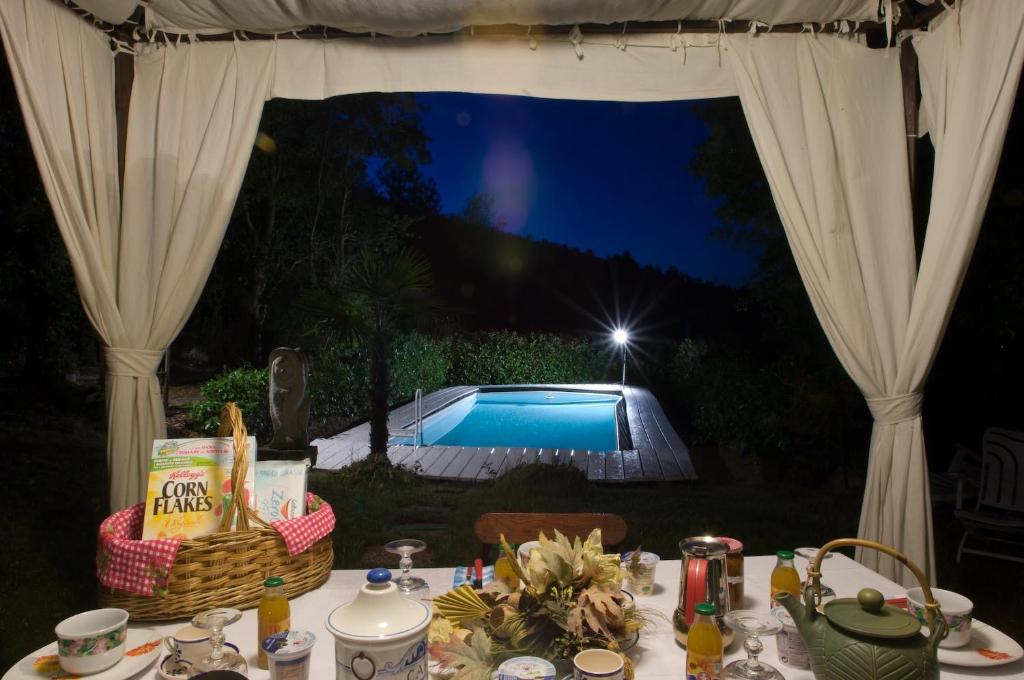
<point x="288" y="654"/>
<point x="640" y="578"/>
<point x="526" y="668"/>
<point x="791" y="647"/>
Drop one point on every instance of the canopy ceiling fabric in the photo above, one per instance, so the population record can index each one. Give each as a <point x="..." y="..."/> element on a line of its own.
<point x="412" y="17"/>
<point x="647" y="70"/>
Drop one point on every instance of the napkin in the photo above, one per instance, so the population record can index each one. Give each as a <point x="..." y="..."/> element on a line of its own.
<point x="460" y="575"/>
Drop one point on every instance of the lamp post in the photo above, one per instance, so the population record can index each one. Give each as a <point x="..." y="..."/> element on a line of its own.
<point x="622" y="337"/>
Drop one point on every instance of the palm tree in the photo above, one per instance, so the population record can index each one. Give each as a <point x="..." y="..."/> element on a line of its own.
<point x="380" y="296"/>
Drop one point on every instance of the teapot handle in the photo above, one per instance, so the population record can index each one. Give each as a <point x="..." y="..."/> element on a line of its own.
<point x="932" y="611"/>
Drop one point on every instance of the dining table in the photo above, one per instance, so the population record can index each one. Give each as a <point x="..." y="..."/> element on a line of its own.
<point x="656" y="656"/>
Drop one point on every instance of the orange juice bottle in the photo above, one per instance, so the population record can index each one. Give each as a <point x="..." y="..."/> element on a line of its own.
<point x="504" y="572"/>
<point x="784" y="577"/>
<point x="274" y="614"/>
<point x="704" y="645"/>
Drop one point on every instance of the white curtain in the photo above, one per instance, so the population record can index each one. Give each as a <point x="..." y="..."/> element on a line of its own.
<point x="192" y="122"/>
<point x="193" y="118"/>
<point x="835" y="161"/>
<point x="827" y="122"/>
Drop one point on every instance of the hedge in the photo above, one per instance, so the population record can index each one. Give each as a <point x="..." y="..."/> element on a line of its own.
<point x="338" y="374"/>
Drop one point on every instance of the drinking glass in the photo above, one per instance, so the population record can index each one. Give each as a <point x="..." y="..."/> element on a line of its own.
<point x="408" y="585"/>
<point x="219" y="658"/>
<point x="753" y="624"/>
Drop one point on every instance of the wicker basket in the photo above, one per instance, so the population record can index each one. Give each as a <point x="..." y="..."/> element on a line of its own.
<point x="227" y="569"/>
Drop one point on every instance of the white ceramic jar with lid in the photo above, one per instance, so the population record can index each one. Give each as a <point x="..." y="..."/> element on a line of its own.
<point x="380" y="634"/>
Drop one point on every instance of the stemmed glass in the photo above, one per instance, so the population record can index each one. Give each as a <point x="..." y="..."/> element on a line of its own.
<point x="219" y="658"/>
<point x="753" y="624"/>
<point x="407" y="583"/>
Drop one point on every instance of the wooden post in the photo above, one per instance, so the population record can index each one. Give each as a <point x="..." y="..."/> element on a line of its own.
<point x="124" y="77"/>
<point x="911" y="105"/>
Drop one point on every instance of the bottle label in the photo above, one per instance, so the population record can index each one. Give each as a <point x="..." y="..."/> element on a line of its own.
<point x="702" y="667"/>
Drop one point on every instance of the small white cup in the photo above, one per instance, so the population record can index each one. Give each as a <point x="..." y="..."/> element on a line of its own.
<point x="597" y="664"/>
<point x="523" y="553"/>
<point x="957" y="610"/>
<point x="188" y="644"/>
<point x="92" y="641"/>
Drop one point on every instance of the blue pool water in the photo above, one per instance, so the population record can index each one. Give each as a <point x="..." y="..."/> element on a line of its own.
<point x="530" y="419"/>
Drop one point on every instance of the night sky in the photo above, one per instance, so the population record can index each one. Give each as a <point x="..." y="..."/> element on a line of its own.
<point x="605" y="176"/>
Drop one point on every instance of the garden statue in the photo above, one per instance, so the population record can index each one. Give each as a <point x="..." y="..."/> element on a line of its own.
<point x="289" y="407"/>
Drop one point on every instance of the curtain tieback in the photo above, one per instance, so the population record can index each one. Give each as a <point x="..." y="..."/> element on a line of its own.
<point x="898" y="409"/>
<point x="132" y="363"/>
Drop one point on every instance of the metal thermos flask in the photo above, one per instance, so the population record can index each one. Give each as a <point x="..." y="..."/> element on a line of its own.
<point x="703" y="578"/>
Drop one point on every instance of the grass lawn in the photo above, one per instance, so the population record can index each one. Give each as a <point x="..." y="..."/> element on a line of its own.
<point x="57" y="495"/>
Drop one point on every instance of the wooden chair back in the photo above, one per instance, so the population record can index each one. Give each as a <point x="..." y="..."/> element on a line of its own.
<point x="520" y="527"/>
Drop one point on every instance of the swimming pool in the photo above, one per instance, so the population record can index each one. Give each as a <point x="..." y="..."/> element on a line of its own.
<point x="543" y="418"/>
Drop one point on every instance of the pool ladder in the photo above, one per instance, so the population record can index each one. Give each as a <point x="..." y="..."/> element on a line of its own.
<point x="416" y="431"/>
<point x="417" y="435"/>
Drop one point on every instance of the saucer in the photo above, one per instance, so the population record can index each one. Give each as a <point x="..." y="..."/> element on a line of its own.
<point x="142" y="648"/>
<point x="987" y="647"/>
<point x="165" y="669"/>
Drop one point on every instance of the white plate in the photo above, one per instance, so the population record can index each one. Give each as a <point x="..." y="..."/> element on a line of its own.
<point x="983" y="637"/>
<point x="127" y="667"/>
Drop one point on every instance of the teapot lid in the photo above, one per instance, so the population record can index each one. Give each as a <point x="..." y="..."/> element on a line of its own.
<point x="378" y="611"/>
<point x="867" y="614"/>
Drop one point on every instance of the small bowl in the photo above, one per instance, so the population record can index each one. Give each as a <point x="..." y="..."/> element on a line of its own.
<point x="91" y="641"/>
<point x="956" y="609"/>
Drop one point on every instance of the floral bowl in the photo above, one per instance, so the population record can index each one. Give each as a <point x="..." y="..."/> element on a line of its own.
<point x="956" y="609"/>
<point x="91" y="641"/>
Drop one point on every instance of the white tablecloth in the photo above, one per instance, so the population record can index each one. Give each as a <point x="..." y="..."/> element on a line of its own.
<point x="657" y="657"/>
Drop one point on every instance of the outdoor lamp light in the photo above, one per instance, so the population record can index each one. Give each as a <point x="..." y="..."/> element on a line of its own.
<point x="622" y="337"/>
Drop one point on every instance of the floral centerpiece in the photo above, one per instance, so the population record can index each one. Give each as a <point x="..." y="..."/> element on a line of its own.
<point x="571" y="599"/>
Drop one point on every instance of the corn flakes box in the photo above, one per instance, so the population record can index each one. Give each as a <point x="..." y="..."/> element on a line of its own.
<point x="189" y="486"/>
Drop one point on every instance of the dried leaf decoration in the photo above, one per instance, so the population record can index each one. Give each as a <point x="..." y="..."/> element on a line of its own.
<point x="601" y="611"/>
<point x="571" y="600"/>
<point x="461" y="604"/>
<point x="473" y="660"/>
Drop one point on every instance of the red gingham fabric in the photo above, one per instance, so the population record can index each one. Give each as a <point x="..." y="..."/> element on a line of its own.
<point x="125" y="562"/>
<point x="302" y="532"/>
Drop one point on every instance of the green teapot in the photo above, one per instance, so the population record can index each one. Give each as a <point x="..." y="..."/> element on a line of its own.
<point x="862" y="637"/>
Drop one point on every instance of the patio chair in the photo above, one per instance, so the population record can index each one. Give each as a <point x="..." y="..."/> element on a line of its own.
<point x="520" y="527"/>
<point x="998" y="513"/>
<point x="959" y="482"/>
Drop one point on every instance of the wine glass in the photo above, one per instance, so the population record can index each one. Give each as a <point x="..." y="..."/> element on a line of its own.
<point x="753" y="624"/>
<point x="408" y="585"/>
<point x="219" y="658"/>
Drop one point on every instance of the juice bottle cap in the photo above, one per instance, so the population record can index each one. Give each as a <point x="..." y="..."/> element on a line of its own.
<point x="705" y="608"/>
<point x="784" y="554"/>
<point x="273" y="582"/>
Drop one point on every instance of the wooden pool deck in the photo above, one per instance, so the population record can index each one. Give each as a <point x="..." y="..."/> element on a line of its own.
<point x="658" y="454"/>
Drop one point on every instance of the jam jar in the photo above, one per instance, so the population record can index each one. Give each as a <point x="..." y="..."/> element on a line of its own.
<point x="734" y="567"/>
